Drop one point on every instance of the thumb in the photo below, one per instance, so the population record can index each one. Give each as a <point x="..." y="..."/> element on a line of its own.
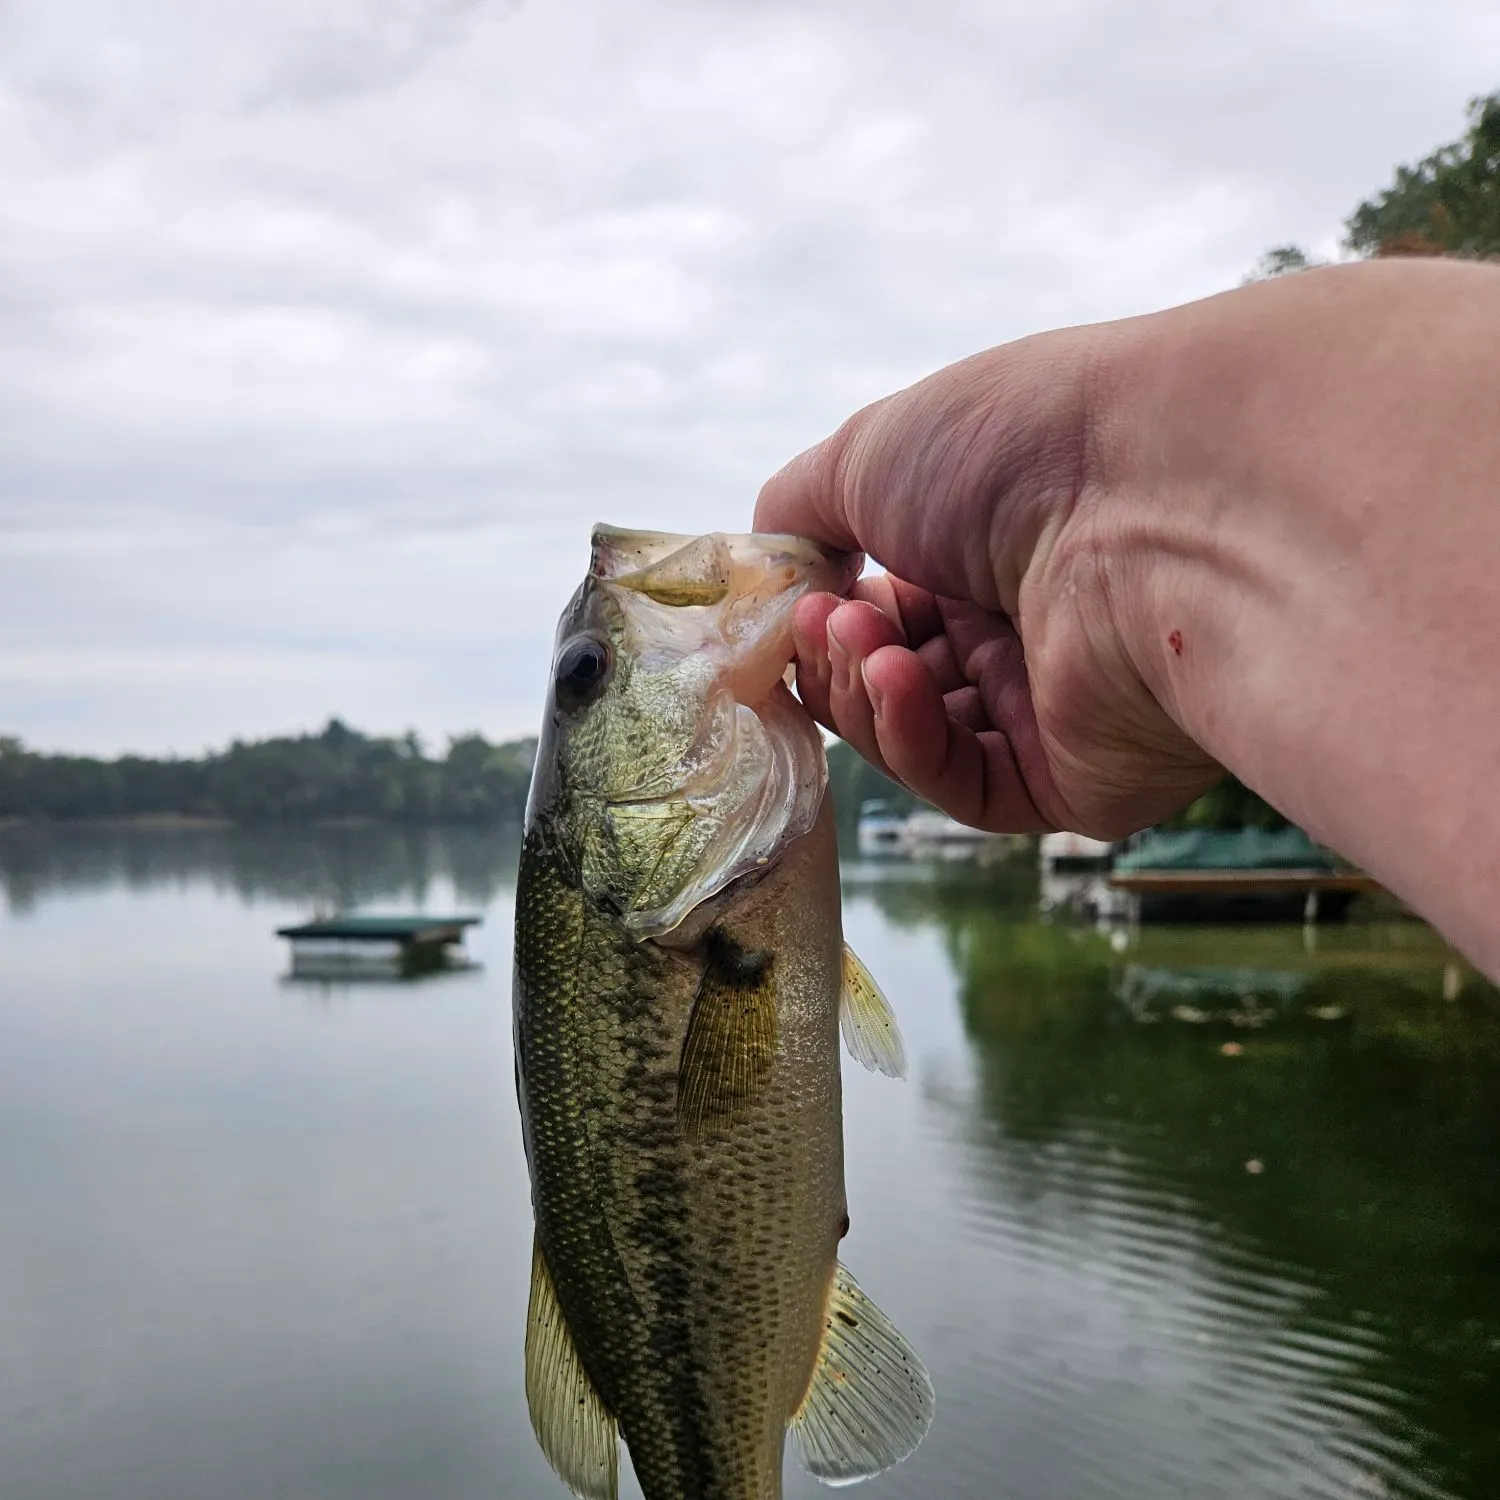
<point x="953" y="482"/>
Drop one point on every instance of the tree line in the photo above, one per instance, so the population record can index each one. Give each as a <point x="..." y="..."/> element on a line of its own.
<point x="336" y="774"/>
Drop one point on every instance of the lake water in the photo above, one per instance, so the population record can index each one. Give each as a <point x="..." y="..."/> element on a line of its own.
<point x="1209" y="1214"/>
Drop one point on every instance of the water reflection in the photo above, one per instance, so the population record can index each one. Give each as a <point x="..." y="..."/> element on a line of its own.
<point x="339" y="868"/>
<point x="1285" y="1161"/>
<point x="1203" y="1214"/>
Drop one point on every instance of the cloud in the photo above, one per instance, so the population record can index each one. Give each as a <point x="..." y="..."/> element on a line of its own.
<point x="328" y="326"/>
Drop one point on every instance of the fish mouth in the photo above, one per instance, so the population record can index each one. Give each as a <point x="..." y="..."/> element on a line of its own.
<point x="752" y="582"/>
<point x="708" y="620"/>
<point x="716" y="562"/>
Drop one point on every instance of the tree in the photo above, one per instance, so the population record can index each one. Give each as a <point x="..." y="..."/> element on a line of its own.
<point x="1284" y="260"/>
<point x="1446" y="204"/>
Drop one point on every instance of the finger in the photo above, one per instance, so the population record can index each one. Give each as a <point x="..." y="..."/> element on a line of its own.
<point x="990" y="654"/>
<point x="919" y="611"/>
<point x="974" y="630"/>
<point x="973" y="776"/>
<point x="966" y="707"/>
<point x="854" y="631"/>
<point x="810" y="643"/>
<point x="937" y="656"/>
<point x="951" y="636"/>
<point x="810" y="646"/>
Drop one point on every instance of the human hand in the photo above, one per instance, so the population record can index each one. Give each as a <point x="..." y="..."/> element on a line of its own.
<point x="1259" y="531"/>
<point x="987" y="671"/>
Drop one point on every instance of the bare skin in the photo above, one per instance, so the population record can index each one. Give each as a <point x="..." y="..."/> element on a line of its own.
<point x="1259" y="532"/>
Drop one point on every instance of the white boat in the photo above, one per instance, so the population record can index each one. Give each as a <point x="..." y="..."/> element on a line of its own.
<point x="924" y="833"/>
<point x="1075" y="876"/>
<point x="1073" y="851"/>
<point x="935" y="832"/>
<point x="880" y="830"/>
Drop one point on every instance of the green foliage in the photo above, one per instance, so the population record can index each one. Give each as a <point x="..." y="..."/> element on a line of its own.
<point x="1228" y="804"/>
<point x="336" y="774"/>
<point x="1283" y="260"/>
<point x="1448" y="203"/>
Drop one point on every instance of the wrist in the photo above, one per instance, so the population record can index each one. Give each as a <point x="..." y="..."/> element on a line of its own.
<point x="1303" y="514"/>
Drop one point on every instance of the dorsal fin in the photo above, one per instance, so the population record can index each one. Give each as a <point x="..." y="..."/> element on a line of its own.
<point x="578" y="1434"/>
<point x="870" y="1402"/>
<point x="868" y="1022"/>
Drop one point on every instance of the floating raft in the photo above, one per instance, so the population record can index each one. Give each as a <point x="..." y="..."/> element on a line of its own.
<point x="352" y="946"/>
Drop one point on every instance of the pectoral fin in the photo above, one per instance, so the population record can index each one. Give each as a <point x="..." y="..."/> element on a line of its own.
<point x="730" y="1049"/>
<point x="868" y="1022"/>
<point x="579" y="1436"/>
<point x="870" y="1402"/>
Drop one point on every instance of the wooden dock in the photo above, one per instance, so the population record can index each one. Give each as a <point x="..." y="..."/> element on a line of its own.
<point x="1318" y="889"/>
<point x="375" y="946"/>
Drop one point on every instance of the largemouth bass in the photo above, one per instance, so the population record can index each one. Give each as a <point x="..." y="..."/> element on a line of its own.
<point x="681" y="982"/>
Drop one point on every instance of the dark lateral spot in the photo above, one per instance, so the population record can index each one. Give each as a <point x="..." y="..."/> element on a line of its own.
<point x="1175" y="642"/>
<point x="731" y="965"/>
<point x="844" y="1317"/>
<point x="843" y="1226"/>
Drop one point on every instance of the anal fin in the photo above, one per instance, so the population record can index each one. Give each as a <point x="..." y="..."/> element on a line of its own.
<point x="729" y="1052"/>
<point x="578" y="1434"/>
<point x="868" y="1022"/>
<point x="870" y="1402"/>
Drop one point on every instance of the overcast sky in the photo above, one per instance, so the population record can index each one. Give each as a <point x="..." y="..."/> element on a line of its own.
<point x="327" y="327"/>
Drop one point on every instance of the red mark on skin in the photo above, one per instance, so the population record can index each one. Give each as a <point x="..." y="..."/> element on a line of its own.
<point x="1175" y="642"/>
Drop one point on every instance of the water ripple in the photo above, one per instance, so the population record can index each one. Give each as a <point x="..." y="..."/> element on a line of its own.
<point x="1132" y="1345"/>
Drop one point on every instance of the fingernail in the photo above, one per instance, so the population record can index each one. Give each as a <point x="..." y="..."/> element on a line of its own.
<point x="838" y="660"/>
<point x="873" y="693"/>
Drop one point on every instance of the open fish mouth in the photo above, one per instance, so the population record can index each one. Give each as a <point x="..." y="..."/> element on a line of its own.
<point x="712" y="566"/>
<point x="750" y="584"/>
<point x="707" y="624"/>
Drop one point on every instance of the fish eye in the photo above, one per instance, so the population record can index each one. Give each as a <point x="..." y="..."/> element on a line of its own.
<point x="582" y="671"/>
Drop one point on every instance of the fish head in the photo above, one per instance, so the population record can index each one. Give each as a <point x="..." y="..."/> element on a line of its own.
<point x="673" y="758"/>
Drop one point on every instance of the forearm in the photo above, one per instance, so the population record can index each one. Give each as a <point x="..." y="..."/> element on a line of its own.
<point x="1304" y="495"/>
